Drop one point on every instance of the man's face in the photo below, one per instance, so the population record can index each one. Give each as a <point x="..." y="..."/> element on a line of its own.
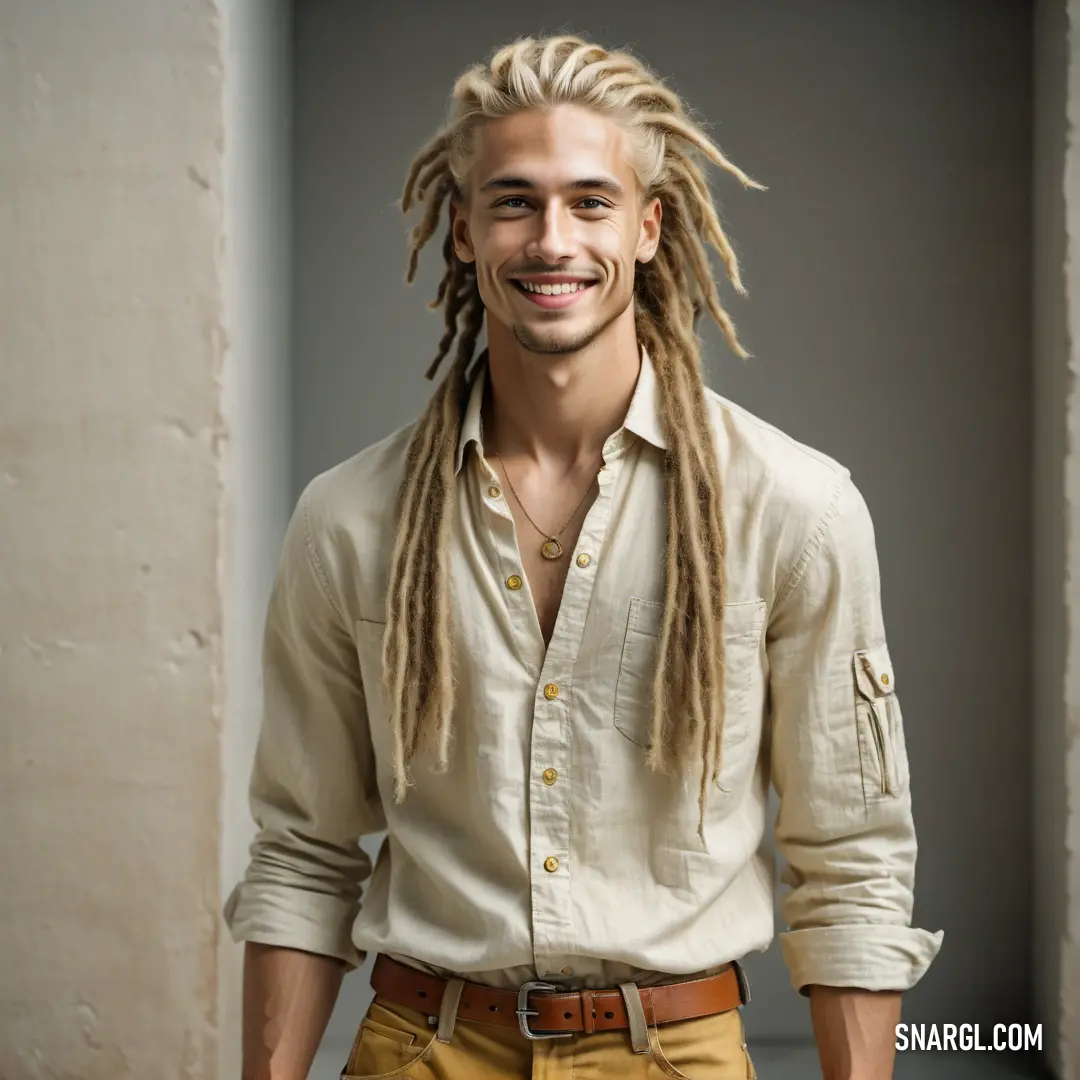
<point x="555" y="223"/>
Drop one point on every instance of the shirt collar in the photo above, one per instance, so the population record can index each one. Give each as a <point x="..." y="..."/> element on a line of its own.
<point x="470" y="423"/>
<point x="642" y="418"/>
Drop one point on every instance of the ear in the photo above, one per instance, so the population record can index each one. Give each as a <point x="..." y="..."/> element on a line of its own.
<point x="649" y="238"/>
<point x="459" y="230"/>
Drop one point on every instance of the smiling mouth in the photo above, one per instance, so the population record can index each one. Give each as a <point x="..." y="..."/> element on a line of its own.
<point x="556" y="296"/>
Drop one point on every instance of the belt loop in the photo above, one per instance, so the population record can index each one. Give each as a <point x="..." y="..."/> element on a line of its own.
<point x="635" y="1013"/>
<point x="743" y="981"/>
<point x="449" y="1009"/>
<point x="588" y="1012"/>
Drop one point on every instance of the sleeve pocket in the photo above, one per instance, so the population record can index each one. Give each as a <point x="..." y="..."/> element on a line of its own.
<point x="882" y="749"/>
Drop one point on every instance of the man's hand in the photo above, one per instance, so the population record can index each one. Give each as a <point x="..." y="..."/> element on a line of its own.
<point x="855" y="1032"/>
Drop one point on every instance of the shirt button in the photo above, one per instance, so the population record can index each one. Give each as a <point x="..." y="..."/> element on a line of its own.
<point x="584" y="559"/>
<point x="551" y="691"/>
<point x="568" y="971"/>
<point x="494" y="492"/>
<point x="550" y="776"/>
<point x="551" y="864"/>
<point x="513" y="582"/>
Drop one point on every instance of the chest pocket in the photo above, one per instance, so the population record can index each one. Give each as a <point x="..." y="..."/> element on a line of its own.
<point x="743" y="626"/>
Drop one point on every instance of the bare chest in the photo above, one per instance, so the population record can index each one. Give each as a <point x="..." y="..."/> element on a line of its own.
<point x="549" y="501"/>
<point x="546" y="577"/>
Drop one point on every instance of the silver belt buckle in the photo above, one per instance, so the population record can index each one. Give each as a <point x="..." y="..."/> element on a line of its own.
<point x="524" y="1012"/>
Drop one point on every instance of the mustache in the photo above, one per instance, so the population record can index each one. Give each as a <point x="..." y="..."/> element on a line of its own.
<point x="569" y="271"/>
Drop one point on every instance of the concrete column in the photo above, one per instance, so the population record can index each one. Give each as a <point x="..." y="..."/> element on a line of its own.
<point x="1056" y="503"/>
<point x="144" y="477"/>
<point x="1071" y="185"/>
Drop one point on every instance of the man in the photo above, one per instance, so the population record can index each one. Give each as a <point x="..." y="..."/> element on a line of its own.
<point x="558" y="636"/>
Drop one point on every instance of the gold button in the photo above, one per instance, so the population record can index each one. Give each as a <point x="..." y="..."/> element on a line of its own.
<point x="568" y="971"/>
<point x="513" y="582"/>
<point x="551" y="864"/>
<point x="584" y="559"/>
<point x="494" y="492"/>
<point x="550" y="776"/>
<point x="885" y="680"/>
<point x="551" y="691"/>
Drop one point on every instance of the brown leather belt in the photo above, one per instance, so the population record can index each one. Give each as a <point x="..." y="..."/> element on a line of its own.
<point x="538" y="1011"/>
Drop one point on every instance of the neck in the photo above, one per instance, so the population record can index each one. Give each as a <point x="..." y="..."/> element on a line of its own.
<point x="558" y="410"/>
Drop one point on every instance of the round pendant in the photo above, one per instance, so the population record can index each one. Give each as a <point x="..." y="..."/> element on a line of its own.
<point x="551" y="549"/>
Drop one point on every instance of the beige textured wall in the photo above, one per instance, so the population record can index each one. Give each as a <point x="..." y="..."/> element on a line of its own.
<point x="110" y="502"/>
<point x="1056" y="501"/>
<point x="1071" y="184"/>
<point x="1052" y="380"/>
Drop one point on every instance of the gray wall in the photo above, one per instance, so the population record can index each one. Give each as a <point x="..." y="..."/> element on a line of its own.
<point x="889" y="268"/>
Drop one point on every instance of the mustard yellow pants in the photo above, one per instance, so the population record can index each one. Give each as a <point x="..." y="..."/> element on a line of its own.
<point x="397" y="1042"/>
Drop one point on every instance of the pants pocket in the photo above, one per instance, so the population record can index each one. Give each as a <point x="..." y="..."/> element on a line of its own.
<point x="388" y="1044"/>
<point x="707" y="1048"/>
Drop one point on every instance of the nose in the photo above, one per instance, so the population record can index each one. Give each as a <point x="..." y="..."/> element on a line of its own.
<point x="555" y="238"/>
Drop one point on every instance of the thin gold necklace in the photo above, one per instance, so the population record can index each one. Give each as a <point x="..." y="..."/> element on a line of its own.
<point x="550" y="548"/>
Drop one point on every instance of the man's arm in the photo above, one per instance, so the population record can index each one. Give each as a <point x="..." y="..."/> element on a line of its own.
<point x="288" y="999"/>
<point x="840" y="768"/>
<point x="855" y="1031"/>
<point x="314" y="795"/>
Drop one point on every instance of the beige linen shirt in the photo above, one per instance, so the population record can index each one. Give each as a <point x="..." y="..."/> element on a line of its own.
<point x="548" y="849"/>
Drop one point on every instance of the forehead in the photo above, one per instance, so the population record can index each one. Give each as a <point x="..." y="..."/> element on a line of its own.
<point x="551" y="147"/>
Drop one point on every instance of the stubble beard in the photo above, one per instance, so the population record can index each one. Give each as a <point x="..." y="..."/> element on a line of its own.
<point x="556" y="342"/>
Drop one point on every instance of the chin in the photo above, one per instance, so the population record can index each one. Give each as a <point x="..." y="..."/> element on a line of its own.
<point x="555" y="341"/>
<point x="550" y="344"/>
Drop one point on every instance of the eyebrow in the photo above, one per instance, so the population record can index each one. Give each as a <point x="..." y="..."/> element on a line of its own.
<point x="517" y="183"/>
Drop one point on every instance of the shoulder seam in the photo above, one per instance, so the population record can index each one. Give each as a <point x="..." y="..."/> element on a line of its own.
<point x="813" y="545"/>
<point x="313" y="555"/>
<point x="814" y="454"/>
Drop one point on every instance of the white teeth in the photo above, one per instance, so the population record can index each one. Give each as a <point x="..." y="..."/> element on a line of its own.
<point x="554" y="290"/>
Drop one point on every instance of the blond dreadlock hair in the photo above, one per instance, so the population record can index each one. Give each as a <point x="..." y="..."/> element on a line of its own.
<point x="669" y="294"/>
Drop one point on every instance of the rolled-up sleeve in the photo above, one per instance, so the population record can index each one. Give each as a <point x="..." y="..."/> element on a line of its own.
<point x="840" y="768"/>
<point x="313" y="793"/>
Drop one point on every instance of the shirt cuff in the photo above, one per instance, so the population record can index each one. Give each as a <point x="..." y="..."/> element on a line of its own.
<point x="864" y="956"/>
<point x="294" y="919"/>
